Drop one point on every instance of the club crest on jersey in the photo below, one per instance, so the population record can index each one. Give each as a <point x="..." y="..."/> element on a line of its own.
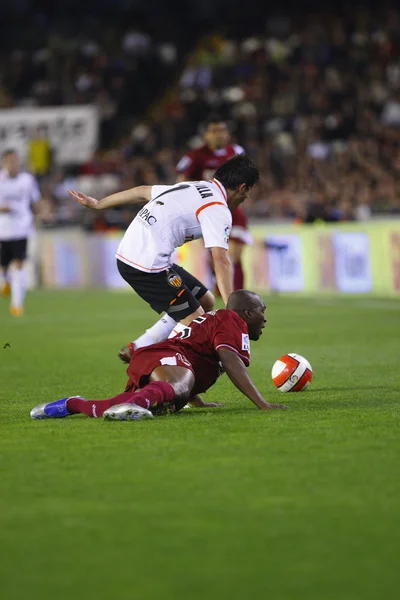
<point x="174" y="280"/>
<point x="245" y="342"/>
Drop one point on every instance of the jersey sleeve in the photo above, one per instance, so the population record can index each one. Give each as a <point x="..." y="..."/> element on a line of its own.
<point x="231" y="334"/>
<point x="157" y="190"/>
<point x="189" y="167"/>
<point x="216" y="222"/>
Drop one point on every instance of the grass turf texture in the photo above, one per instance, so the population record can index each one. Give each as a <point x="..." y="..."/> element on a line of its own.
<point x="214" y="503"/>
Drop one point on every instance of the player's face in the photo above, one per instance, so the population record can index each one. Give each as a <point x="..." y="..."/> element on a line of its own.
<point x="11" y="163"/>
<point x="241" y="194"/>
<point x="257" y="322"/>
<point x="216" y="136"/>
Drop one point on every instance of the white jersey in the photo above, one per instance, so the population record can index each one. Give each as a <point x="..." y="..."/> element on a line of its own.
<point x="175" y="215"/>
<point x="17" y="193"/>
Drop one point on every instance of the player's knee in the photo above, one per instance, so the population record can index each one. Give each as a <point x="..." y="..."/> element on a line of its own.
<point x="207" y="301"/>
<point x="182" y="391"/>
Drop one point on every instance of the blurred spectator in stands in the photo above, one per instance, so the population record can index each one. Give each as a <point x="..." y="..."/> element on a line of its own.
<point x="39" y="153"/>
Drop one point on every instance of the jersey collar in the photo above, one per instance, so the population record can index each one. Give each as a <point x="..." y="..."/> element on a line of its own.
<point x="221" y="188"/>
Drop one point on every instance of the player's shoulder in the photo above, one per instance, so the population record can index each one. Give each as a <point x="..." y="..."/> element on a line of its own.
<point x="26" y="177"/>
<point x="224" y="315"/>
<point x="192" y="155"/>
<point x="236" y="149"/>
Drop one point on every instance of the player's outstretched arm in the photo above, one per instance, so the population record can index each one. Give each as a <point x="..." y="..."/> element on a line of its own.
<point x="237" y="373"/>
<point x="141" y="193"/>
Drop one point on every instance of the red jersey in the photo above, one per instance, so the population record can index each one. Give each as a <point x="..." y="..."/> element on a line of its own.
<point x="200" y="165"/>
<point x="195" y="347"/>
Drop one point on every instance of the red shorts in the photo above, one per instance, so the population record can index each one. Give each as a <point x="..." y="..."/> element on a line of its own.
<point x="145" y="360"/>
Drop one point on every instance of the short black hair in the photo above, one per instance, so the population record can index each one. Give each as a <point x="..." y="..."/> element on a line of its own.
<point x="236" y="171"/>
<point x="8" y="152"/>
<point x="213" y="118"/>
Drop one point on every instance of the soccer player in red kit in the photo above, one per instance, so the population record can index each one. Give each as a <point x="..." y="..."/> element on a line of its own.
<point x="201" y="164"/>
<point x="165" y="376"/>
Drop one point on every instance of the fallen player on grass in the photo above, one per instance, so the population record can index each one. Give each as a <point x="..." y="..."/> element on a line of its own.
<point x="165" y="376"/>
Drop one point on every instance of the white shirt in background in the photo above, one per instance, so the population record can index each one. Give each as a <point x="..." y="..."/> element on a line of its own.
<point x="18" y="194"/>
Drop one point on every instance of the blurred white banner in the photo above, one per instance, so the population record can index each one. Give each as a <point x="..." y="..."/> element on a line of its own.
<point x="71" y="130"/>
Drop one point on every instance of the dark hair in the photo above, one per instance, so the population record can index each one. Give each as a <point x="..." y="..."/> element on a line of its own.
<point x="211" y="119"/>
<point x="236" y="171"/>
<point x="8" y="152"/>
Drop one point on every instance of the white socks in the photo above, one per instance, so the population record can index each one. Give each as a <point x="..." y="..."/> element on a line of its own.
<point x="159" y="332"/>
<point x="17" y="280"/>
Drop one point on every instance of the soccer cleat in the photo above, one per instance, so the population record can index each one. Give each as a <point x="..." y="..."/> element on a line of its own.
<point x="126" y="412"/>
<point x="125" y="354"/>
<point x="52" y="410"/>
<point x="16" y="311"/>
<point x="5" y="289"/>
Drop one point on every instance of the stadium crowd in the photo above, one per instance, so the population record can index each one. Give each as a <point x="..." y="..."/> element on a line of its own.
<point x="315" y="100"/>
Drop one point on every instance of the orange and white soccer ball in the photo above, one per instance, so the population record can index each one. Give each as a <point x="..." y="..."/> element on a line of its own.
<point x="292" y="373"/>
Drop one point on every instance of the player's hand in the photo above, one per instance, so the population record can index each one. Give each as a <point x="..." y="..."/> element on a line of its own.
<point x="271" y="406"/>
<point x="5" y="209"/>
<point x="213" y="405"/>
<point x="83" y="199"/>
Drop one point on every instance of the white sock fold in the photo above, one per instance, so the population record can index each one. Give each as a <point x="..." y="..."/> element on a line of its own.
<point x="17" y="287"/>
<point x="157" y="333"/>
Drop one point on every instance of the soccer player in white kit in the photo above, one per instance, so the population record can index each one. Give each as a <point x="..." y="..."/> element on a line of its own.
<point x="18" y="192"/>
<point x="173" y="215"/>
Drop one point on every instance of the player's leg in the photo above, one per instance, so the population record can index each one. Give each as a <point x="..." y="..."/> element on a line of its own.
<point x="173" y="291"/>
<point x="163" y="327"/>
<point x="198" y="289"/>
<point x="168" y="390"/>
<point x="5" y="260"/>
<point x="18" y="284"/>
<point x="168" y="387"/>
<point x="235" y="252"/>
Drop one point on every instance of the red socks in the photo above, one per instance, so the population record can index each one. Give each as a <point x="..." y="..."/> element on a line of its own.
<point x="238" y="276"/>
<point x="153" y="394"/>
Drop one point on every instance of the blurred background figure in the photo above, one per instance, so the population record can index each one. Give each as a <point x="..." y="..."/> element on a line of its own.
<point x="201" y="163"/>
<point x="18" y="192"/>
<point x="39" y="153"/>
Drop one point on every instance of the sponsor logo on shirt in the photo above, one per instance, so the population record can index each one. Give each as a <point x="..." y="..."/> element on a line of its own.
<point x="245" y="342"/>
<point x="174" y="280"/>
<point x="146" y="215"/>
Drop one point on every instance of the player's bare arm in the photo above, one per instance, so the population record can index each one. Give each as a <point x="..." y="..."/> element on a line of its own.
<point x="141" y="193"/>
<point x="237" y="373"/>
<point x="223" y="272"/>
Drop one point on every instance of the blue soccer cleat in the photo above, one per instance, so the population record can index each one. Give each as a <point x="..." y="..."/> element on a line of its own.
<point x="52" y="410"/>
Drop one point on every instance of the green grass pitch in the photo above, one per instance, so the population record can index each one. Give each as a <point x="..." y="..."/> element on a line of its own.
<point x="207" y="504"/>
